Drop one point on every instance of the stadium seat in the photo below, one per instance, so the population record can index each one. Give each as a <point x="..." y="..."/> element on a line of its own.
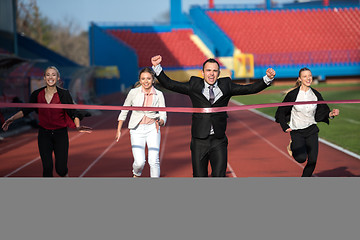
<point x="175" y="46"/>
<point x="321" y="34"/>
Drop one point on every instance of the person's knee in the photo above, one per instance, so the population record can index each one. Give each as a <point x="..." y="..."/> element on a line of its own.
<point x="299" y="154"/>
<point x="300" y="159"/>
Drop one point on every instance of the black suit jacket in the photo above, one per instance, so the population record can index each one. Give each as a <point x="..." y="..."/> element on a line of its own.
<point x="201" y="122"/>
<point x="283" y="113"/>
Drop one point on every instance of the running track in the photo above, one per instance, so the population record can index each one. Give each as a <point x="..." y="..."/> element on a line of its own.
<point x="257" y="148"/>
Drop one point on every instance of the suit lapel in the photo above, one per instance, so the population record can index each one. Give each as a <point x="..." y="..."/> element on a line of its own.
<point x="139" y="98"/>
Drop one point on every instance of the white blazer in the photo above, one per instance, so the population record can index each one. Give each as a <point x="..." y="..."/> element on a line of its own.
<point x="136" y="98"/>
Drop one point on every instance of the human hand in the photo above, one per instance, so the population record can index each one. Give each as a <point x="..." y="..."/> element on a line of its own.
<point x="161" y="122"/>
<point x="288" y="130"/>
<point x="84" y="129"/>
<point x="118" y="135"/>
<point x="156" y="60"/>
<point x="334" y="113"/>
<point x="270" y="73"/>
<point x="7" y="123"/>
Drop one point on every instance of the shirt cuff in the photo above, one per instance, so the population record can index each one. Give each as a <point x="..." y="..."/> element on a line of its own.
<point x="157" y="69"/>
<point x="267" y="80"/>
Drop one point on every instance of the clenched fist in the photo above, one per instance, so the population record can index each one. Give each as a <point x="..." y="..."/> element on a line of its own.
<point x="156" y="60"/>
<point x="270" y="73"/>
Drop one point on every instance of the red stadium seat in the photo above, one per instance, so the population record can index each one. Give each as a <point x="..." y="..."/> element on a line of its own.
<point x="297" y="36"/>
<point x="176" y="46"/>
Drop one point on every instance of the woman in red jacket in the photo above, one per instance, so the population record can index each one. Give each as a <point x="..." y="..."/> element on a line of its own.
<point x="53" y="123"/>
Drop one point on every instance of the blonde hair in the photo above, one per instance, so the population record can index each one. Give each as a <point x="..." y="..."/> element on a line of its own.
<point x="52" y="67"/>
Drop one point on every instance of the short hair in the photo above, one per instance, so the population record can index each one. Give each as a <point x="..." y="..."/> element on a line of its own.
<point x="211" y="60"/>
<point x="52" y="67"/>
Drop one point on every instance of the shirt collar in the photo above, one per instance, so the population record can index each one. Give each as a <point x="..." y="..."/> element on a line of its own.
<point x="152" y="91"/>
<point x="207" y="85"/>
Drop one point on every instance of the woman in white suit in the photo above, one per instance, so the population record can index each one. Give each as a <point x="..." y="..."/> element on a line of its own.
<point x="144" y="125"/>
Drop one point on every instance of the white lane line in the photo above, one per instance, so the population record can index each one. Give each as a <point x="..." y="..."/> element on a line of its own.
<point x="352" y="121"/>
<point x="340" y="148"/>
<point x="38" y="157"/>
<point x="231" y="170"/>
<point x="268" y="142"/>
<point x="23" y="166"/>
<point x="102" y="154"/>
<point x="164" y="143"/>
<point x="320" y="139"/>
<point x="98" y="158"/>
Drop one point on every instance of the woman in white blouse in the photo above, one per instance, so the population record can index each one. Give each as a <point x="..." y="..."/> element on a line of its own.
<point x="300" y="121"/>
<point x="144" y="125"/>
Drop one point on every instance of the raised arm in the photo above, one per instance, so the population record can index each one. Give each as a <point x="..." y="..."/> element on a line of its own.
<point x="165" y="81"/>
<point x="256" y="86"/>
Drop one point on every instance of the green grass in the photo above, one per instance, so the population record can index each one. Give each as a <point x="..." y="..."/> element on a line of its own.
<point x="343" y="131"/>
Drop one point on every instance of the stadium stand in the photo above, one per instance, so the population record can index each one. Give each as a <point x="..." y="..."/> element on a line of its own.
<point x="175" y="46"/>
<point x="298" y="36"/>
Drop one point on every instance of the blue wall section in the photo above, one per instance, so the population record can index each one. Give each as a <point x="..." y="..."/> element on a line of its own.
<point x="108" y="51"/>
<point x="176" y="15"/>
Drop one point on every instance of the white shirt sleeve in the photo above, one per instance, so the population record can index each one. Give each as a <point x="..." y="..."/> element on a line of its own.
<point x="157" y="69"/>
<point x="267" y="80"/>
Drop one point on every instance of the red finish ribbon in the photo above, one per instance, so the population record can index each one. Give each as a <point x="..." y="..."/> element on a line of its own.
<point x="169" y="109"/>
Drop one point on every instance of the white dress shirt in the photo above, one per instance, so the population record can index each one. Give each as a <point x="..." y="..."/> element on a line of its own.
<point x="302" y="116"/>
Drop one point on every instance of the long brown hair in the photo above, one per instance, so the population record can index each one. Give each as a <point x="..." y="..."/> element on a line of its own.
<point x="148" y="70"/>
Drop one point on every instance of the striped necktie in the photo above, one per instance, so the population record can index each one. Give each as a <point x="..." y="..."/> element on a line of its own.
<point x="211" y="94"/>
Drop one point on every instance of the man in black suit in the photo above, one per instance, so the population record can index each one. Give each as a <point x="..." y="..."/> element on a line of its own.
<point x="209" y="141"/>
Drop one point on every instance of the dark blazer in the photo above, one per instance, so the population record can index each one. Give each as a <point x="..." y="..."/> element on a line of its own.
<point x="283" y="113"/>
<point x="201" y="122"/>
<point x="65" y="98"/>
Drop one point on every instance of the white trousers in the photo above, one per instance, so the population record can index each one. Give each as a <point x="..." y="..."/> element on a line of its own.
<point x="140" y="136"/>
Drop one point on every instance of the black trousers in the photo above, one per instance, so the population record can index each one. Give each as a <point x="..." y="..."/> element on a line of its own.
<point x="305" y="145"/>
<point x="56" y="141"/>
<point x="209" y="149"/>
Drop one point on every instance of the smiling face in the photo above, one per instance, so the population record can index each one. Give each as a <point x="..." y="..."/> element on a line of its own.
<point x="305" y="78"/>
<point x="211" y="72"/>
<point x="51" y="77"/>
<point x="146" y="81"/>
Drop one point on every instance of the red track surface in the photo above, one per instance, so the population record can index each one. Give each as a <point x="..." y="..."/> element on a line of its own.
<point x="257" y="148"/>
